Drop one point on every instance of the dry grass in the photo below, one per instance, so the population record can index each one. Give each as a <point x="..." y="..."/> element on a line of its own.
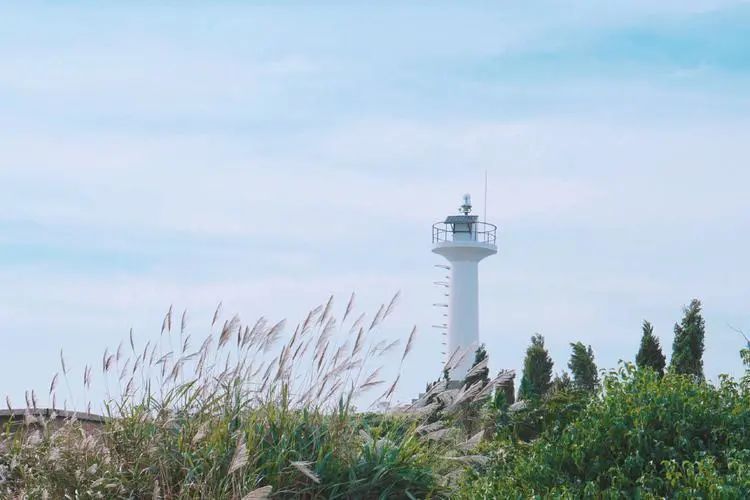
<point x="252" y="412"/>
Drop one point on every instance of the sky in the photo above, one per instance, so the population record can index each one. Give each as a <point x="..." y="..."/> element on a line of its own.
<point x="270" y="154"/>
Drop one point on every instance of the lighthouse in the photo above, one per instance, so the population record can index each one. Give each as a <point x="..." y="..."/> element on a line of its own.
<point x="464" y="241"/>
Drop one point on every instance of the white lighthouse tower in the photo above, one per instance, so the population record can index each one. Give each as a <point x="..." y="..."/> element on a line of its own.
<point x="464" y="241"/>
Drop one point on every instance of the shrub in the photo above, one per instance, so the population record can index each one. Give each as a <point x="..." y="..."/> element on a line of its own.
<point x="644" y="436"/>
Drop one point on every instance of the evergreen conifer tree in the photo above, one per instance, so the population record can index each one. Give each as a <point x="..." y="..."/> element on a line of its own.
<point x="537" y="370"/>
<point x="561" y="383"/>
<point x="649" y="354"/>
<point x="582" y="367"/>
<point x="687" y="349"/>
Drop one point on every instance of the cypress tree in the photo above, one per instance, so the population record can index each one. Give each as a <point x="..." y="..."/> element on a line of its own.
<point x="561" y="383"/>
<point x="537" y="370"/>
<point x="649" y="354"/>
<point x="687" y="349"/>
<point x="582" y="367"/>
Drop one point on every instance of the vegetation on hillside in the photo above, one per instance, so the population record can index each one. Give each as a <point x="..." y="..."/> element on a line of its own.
<point x="244" y="416"/>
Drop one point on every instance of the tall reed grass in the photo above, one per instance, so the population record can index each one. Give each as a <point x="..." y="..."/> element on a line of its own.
<point x="250" y="412"/>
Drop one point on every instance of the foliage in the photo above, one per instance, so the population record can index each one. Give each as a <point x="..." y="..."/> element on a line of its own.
<point x="235" y="427"/>
<point x="537" y="370"/>
<point x="649" y="354"/>
<point x="583" y="368"/>
<point x="645" y="436"/>
<point x="687" y="349"/>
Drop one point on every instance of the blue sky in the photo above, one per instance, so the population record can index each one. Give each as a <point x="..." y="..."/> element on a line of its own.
<point x="270" y="154"/>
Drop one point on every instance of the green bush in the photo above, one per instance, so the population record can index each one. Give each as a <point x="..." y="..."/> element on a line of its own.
<point x="644" y="436"/>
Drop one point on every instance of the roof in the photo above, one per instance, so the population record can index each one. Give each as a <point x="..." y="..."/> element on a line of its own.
<point x="48" y="413"/>
<point x="461" y="219"/>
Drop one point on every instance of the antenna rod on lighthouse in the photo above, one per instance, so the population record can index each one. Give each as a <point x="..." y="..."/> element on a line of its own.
<point x="485" y="195"/>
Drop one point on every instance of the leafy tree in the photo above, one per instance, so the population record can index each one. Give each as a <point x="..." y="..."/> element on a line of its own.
<point x="582" y="367"/>
<point x="537" y="370"/>
<point x="650" y="355"/>
<point x="687" y="350"/>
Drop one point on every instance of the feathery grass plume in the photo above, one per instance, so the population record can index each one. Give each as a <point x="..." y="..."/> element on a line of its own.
<point x="272" y="336"/>
<point x="33" y="398"/>
<point x="145" y="351"/>
<point x="356" y="324"/>
<point x="202" y="432"/>
<point x="304" y="468"/>
<point x="502" y="378"/>
<point x="349" y="308"/>
<point x="306" y="395"/>
<point x="28" y="418"/>
<point x="472" y="442"/>
<point x="53" y="384"/>
<point x="124" y="370"/>
<point x="256" y="332"/>
<point x="118" y="356"/>
<point x="229" y="327"/>
<point x="326" y="311"/>
<point x="437" y="435"/>
<point x="358" y="342"/>
<point x="87" y="377"/>
<point x="477" y="368"/>
<point x="325" y="335"/>
<point x="449" y="363"/>
<point x="392" y="388"/>
<point x="7" y="402"/>
<point x="409" y="343"/>
<point x="240" y="457"/>
<point x="372" y="376"/>
<point x="471" y="348"/>
<point x="262" y="493"/>
<point x="387" y="349"/>
<point x="132" y="343"/>
<point x="427" y="428"/>
<point x="164" y="359"/>
<point x="310" y="319"/>
<point x="167" y="323"/>
<point x="322" y="355"/>
<point x="217" y="312"/>
<point x="175" y="371"/>
<point x="367" y="385"/>
<point x="104" y="359"/>
<point x="28" y="399"/>
<point x="424" y="410"/>
<point x="128" y="388"/>
<point x="464" y="395"/>
<point x="392" y="304"/>
<point x="378" y="318"/>
<point x="62" y="363"/>
<point x="469" y="459"/>
<point x="436" y="389"/>
<point x="183" y="321"/>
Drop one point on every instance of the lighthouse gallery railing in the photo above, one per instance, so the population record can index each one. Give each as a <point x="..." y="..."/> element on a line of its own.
<point x="482" y="232"/>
